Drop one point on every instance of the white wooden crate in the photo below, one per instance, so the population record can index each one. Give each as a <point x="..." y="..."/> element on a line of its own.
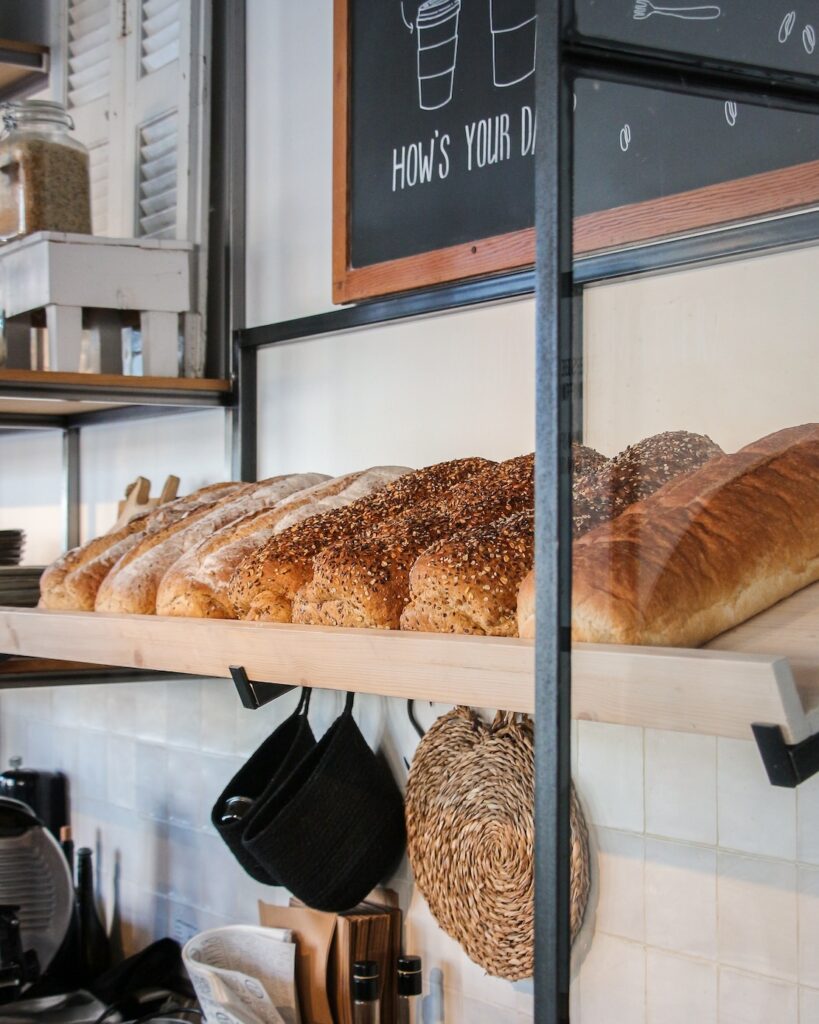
<point x="66" y="274"/>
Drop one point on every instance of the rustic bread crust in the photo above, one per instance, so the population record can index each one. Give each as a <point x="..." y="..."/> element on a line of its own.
<point x="469" y="583"/>
<point x="132" y="584"/>
<point x="365" y="581"/>
<point x="196" y="585"/>
<point x="265" y="583"/>
<point x="58" y="587"/>
<point x="526" y="607"/>
<point x="706" y="552"/>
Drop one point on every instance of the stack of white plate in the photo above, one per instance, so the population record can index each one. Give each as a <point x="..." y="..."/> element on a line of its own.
<point x="12" y="543"/>
<point x="20" y="585"/>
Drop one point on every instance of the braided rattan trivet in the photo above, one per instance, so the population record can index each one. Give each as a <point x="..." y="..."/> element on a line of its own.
<point x="470" y="832"/>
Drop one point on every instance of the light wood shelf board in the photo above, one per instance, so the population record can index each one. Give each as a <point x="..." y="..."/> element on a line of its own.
<point x="710" y="691"/>
<point x="56" y="379"/>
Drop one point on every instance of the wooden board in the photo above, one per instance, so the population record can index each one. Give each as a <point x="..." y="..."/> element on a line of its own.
<point x="9" y="378"/>
<point x="715" y="692"/>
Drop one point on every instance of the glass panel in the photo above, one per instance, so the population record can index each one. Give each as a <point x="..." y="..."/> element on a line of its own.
<point x="652" y="163"/>
<point x="757" y="32"/>
<point x="696" y="603"/>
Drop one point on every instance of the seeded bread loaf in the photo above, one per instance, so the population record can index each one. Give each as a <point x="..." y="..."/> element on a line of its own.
<point x="132" y="583"/>
<point x="196" y="585"/>
<point x="62" y="585"/>
<point x="265" y="583"/>
<point x="365" y="581"/>
<point x="604" y="491"/>
<point x="469" y="583"/>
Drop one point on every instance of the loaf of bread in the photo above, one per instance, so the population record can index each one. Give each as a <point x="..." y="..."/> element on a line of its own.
<point x="469" y="583"/>
<point x="707" y="551"/>
<point x="527" y="598"/>
<point x="63" y="585"/>
<point x="196" y="585"/>
<point x="365" y="581"/>
<point x="265" y="583"/>
<point x="132" y="583"/>
<point x="605" y="490"/>
<point x="585" y="459"/>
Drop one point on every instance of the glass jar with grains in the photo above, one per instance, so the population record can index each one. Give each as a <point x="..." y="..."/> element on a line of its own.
<point x="44" y="177"/>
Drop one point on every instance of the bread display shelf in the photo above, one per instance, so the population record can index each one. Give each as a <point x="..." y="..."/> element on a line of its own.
<point x="765" y="671"/>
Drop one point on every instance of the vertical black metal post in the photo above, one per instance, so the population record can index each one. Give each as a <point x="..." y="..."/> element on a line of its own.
<point x="554" y="365"/>
<point x="71" y="487"/>
<point x="245" y="420"/>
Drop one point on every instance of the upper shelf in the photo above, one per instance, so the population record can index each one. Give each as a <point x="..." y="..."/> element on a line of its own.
<point x="744" y="677"/>
<point x="23" y="67"/>
<point x="29" y="395"/>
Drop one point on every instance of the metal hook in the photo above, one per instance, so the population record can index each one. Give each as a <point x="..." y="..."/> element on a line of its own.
<point x="415" y="723"/>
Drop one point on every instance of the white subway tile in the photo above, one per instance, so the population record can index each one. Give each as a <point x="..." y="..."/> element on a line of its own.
<point x="681" y="786"/>
<point x="152" y="780"/>
<point x="610" y="774"/>
<point x="758" y="915"/>
<point x="185" y="803"/>
<point x="807" y="821"/>
<point x="679" y="990"/>
<point x="183" y="699"/>
<point x="751" y="999"/>
<point x="620" y="884"/>
<point x="151" y="712"/>
<point x="219" y="715"/>
<point x="808" y="1006"/>
<point x="89" y="781"/>
<point x="121" y="764"/>
<point x="612" y="983"/>
<point x="754" y="816"/>
<point x="809" y="926"/>
<point x="681" y="898"/>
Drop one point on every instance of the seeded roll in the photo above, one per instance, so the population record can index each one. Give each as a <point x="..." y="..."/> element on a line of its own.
<point x="264" y="585"/>
<point x="469" y="583"/>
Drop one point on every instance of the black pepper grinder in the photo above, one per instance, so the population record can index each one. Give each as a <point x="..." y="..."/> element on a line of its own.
<point x="409" y="987"/>
<point x="366" y="1004"/>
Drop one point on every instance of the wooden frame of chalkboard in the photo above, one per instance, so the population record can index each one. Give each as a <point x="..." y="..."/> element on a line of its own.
<point x="623" y="222"/>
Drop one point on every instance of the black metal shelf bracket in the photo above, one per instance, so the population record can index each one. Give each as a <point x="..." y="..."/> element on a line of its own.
<point x="254" y="695"/>
<point x="787" y="764"/>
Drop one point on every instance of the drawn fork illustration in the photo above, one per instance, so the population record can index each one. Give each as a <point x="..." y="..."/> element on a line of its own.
<point x="645" y="8"/>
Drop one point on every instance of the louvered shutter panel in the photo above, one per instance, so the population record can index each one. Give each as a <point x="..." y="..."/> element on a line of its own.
<point x="158" y="145"/>
<point x="98" y="158"/>
<point x="159" y="34"/>
<point x="89" y="51"/>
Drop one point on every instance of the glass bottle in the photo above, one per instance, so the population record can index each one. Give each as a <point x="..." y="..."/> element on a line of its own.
<point x="408" y="987"/>
<point x="96" y="951"/>
<point x="45" y="181"/>
<point x="366" y="1004"/>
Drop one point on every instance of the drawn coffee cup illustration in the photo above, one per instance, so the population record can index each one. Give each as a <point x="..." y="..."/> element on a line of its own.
<point x="514" y="40"/>
<point x="436" y="29"/>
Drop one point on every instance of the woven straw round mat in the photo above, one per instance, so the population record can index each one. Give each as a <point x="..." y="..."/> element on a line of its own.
<point x="471" y="835"/>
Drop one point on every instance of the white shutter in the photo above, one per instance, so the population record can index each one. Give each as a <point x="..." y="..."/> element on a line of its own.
<point x="98" y="157"/>
<point x="158" y="145"/>
<point x="89" y="51"/>
<point x="159" y="34"/>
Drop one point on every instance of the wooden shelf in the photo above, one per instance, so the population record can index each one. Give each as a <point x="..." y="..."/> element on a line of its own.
<point x="40" y="394"/>
<point x="765" y="671"/>
<point x="23" y="66"/>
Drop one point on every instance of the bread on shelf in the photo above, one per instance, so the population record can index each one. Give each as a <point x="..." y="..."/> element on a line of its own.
<point x="71" y="582"/>
<point x="132" y="584"/>
<point x="364" y="581"/>
<point x="469" y="583"/>
<point x="705" y="552"/>
<point x="196" y="585"/>
<point x="265" y="583"/>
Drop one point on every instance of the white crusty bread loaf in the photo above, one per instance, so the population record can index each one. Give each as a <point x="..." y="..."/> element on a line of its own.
<point x="62" y="586"/>
<point x="365" y="581"/>
<point x="132" y="583"/>
<point x="705" y="552"/>
<point x="265" y="583"/>
<point x="196" y="585"/>
<point x="469" y="583"/>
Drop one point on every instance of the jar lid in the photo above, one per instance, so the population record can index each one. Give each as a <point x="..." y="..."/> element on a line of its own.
<point x="365" y="981"/>
<point x="409" y="975"/>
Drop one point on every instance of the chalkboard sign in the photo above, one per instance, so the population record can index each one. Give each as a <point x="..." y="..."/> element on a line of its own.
<point x="435" y="137"/>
